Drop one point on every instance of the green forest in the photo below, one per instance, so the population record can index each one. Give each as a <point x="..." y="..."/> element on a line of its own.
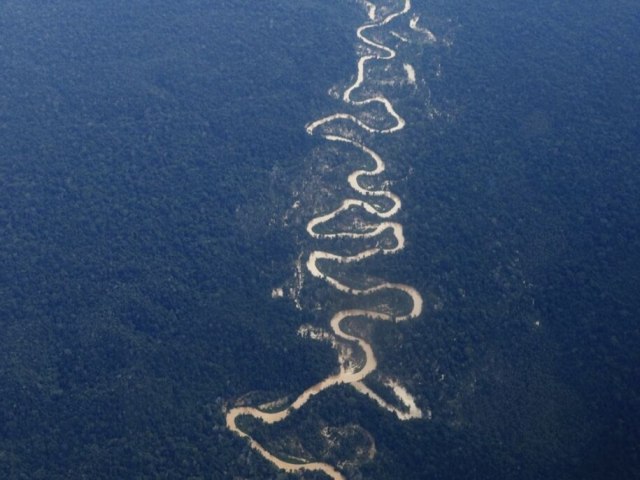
<point x="151" y="152"/>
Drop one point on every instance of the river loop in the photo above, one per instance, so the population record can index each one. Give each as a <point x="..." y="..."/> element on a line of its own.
<point x="371" y="204"/>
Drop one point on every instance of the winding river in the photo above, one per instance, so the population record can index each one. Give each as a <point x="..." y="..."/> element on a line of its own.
<point x="383" y="210"/>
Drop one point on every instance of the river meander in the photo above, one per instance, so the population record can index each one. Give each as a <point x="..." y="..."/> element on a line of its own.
<point x="351" y="372"/>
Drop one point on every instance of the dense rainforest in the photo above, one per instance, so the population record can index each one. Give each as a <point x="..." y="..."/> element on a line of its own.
<point x="151" y="152"/>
